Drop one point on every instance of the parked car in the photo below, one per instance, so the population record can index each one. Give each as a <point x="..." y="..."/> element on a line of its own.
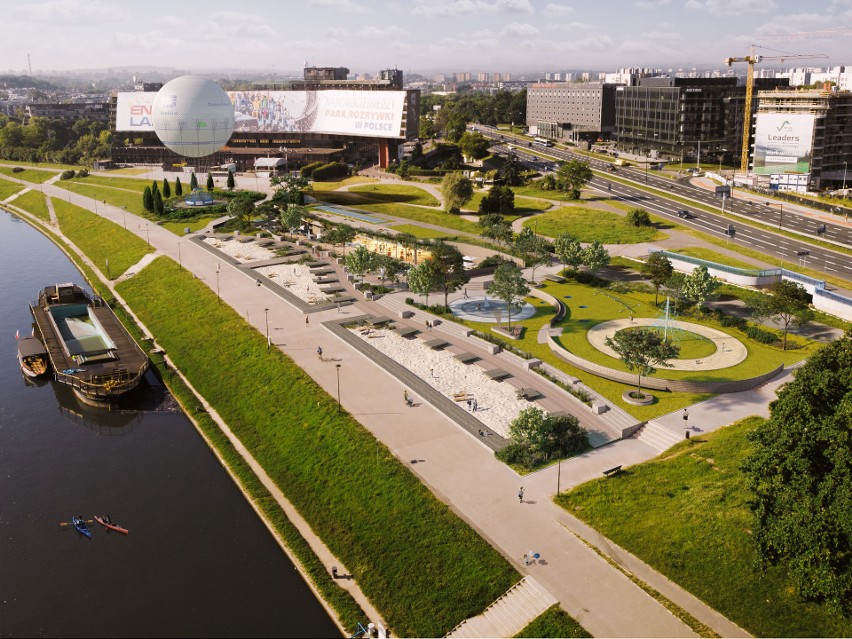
<point x="686" y="215"/>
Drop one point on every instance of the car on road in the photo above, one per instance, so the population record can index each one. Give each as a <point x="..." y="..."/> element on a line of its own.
<point x="686" y="215"/>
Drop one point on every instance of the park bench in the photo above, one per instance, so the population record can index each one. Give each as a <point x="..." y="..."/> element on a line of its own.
<point x="406" y="331"/>
<point x="460" y="397"/>
<point x="612" y="471"/>
<point x="528" y="394"/>
<point x="497" y="374"/>
<point x="466" y="358"/>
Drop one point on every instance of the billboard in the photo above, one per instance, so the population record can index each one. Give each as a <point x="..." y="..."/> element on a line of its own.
<point x="783" y="143"/>
<point x="359" y="113"/>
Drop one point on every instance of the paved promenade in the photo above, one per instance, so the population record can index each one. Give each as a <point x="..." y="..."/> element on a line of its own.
<point x="459" y="469"/>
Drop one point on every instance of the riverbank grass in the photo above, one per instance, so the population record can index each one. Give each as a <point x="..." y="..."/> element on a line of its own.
<point x="422" y="566"/>
<point x="686" y="514"/>
<point x="33" y="202"/>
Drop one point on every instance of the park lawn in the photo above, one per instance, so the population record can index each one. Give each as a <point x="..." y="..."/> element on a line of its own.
<point x="712" y="256"/>
<point x="177" y="227"/>
<point x="117" y="196"/>
<point x="35" y="176"/>
<point x="45" y="165"/>
<point x="523" y="206"/>
<point x="589" y="225"/>
<point x="333" y="185"/>
<point x="131" y="184"/>
<point x="419" y="231"/>
<point x="533" y="191"/>
<point x="34" y="202"/>
<point x="686" y="514"/>
<point x="423" y="567"/>
<point x="601" y="306"/>
<point x="100" y="239"/>
<point x="129" y="170"/>
<point x="404" y="193"/>
<point x="8" y="189"/>
<point x="553" y="622"/>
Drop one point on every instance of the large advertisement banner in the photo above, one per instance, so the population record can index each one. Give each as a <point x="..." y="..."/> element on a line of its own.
<point x="364" y="113"/>
<point x="783" y="143"/>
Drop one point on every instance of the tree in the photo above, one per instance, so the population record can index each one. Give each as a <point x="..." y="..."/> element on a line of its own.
<point x="532" y="249"/>
<point x="289" y="189"/>
<point x="569" y="251"/>
<point x="193" y="182"/>
<point x="389" y="268"/>
<point x="658" y="270"/>
<point x="167" y="190"/>
<point x="674" y="286"/>
<point x="641" y="350"/>
<point x="499" y="199"/>
<point x="530" y="429"/>
<point x="595" y="256"/>
<point x="210" y="185"/>
<point x="699" y="286"/>
<point x="510" y="173"/>
<point x="638" y="217"/>
<point x="242" y="208"/>
<point x="178" y="187"/>
<point x="800" y="476"/>
<point x="456" y="126"/>
<point x="457" y="191"/>
<point x="231" y="183"/>
<point x="537" y="437"/>
<point x="159" y="207"/>
<point x="474" y="145"/>
<point x="148" y="199"/>
<point x="360" y="262"/>
<point x="340" y="234"/>
<point x="572" y="176"/>
<point x="291" y="218"/>
<point x="422" y="279"/>
<point x="448" y="264"/>
<point x="509" y="286"/>
<point x="154" y="188"/>
<point x="788" y="305"/>
<point x="494" y="226"/>
<point x="426" y="130"/>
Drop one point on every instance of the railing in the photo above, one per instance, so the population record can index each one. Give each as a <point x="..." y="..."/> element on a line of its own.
<point x="108" y="385"/>
<point x="720" y="267"/>
<point x="804" y="279"/>
<point x="836" y="297"/>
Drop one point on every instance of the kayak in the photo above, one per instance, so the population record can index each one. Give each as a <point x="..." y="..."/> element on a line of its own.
<point x="81" y="527"/>
<point x="106" y="522"/>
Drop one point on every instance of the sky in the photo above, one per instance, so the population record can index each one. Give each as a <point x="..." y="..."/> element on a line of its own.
<point x="418" y="36"/>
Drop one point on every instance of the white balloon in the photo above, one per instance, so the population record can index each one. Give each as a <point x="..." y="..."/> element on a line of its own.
<point x="193" y="116"/>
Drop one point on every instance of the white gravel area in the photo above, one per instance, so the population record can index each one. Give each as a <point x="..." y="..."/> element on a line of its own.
<point x="296" y="278"/>
<point x="497" y="404"/>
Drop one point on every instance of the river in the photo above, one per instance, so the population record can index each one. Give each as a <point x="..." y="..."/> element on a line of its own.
<point x="197" y="562"/>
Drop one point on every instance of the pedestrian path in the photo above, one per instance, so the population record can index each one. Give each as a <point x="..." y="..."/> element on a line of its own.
<point x="510" y="614"/>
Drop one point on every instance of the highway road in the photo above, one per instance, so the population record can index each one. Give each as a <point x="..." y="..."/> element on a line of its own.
<point x="783" y="249"/>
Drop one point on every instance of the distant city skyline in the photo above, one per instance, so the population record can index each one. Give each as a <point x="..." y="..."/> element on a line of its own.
<point x="420" y="36"/>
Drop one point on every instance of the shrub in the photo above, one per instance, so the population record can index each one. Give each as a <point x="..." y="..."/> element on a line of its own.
<point x="638" y="217"/>
<point x="759" y="335"/>
<point x="83" y="173"/>
<point x="331" y="171"/>
<point x="18" y="169"/>
<point x="67" y="175"/>
<point x="492" y="260"/>
<point x="729" y="321"/>
<point x="583" y="277"/>
<point x="307" y="171"/>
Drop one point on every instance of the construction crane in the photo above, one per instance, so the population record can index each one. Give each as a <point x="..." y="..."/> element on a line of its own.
<point x="753" y="59"/>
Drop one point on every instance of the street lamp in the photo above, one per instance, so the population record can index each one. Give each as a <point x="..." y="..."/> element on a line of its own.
<point x="266" y="314"/>
<point x="218" y="297"/>
<point x="844" y="179"/>
<point x="780" y="206"/>
<point x="124" y="217"/>
<point x="337" y="368"/>
<point x="180" y="261"/>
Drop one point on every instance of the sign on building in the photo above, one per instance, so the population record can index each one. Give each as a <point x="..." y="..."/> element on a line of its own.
<point x="783" y="143"/>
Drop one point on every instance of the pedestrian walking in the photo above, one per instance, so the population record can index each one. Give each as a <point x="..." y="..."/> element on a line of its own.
<point x="407" y="398"/>
<point x="307" y="320"/>
<point x="526" y="559"/>
<point x="431" y="372"/>
<point x="470" y="404"/>
<point x="338" y="307"/>
<point x="521" y="495"/>
<point x="319" y="352"/>
<point x="465" y="294"/>
<point x="475" y="405"/>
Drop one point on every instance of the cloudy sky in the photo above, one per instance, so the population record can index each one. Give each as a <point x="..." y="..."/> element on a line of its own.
<point x="424" y="36"/>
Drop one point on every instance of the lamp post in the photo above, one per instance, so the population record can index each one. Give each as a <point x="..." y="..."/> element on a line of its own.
<point x="218" y="297"/>
<point x="266" y="315"/>
<point x="180" y="261"/>
<point x="844" y="179"/>
<point x="337" y="368"/>
<point x="124" y="217"/>
<point x="109" y="275"/>
<point x="780" y="206"/>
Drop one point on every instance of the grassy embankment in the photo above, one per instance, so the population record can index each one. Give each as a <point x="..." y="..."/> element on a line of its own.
<point x="34" y="176"/>
<point x="554" y="622"/>
<point x="8" y="189"/>
<point x="589" y="225"/>
<point x="424" y="568"/>
<point x="100" y="239"/>
<point x="34" y="202"/>
<point x="686" y="514"/>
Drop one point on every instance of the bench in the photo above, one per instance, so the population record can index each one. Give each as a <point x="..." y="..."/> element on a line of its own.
<point x="466" y="358"/>
<point x="528" y="393"/>
<point x="612" y="471"/>
<point x="406" y="331"/>
<point x="460" y="397"/>
<point x="497" y="374"/>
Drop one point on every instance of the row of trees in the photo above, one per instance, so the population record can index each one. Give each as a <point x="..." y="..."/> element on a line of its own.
<point x="363" y="261"/>
<point x="573" y="254"/>
<point x="53" y="140"/>
<point x="456" y="110"/>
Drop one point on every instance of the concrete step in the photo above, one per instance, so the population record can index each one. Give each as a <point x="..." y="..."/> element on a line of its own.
<point x="657" y="436"/>
<point x="507" y="616"/>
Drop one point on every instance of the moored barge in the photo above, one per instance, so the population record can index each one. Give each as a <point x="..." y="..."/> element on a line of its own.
<point x="88" y="346"/>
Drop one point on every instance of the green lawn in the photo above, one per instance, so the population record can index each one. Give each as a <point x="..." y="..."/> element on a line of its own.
<point x="533" y="191"/>
<point x="404" y="193"/>
<point x="28" y="175"/>
<point x="523" y="206"/>
<point x="8" y="189"/>
<point x="686" y="514"/>
<point x="100" y="239"/>
<point x="178" y="226"/>
<point x="34" y="202"/>
<point x="553" y="622"/>
<point x="117" y="196"/>
<point x="44" y="165"/>
<point x="712" y="256"/>
<point x="324" y="187"/>
<point x="131" y="184"/>
<point x="589" y="225"/>
<point x="422" y="566"/>
<point x="419" y="231"/>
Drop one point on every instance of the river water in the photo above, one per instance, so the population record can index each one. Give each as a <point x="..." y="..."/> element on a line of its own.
<point x="197" y="562"/>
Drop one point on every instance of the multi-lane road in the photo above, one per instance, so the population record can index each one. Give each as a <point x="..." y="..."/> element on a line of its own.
<point x="635" y="185"/>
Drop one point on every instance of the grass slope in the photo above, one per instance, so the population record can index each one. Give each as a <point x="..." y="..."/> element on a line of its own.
<point x="553" y="622"/>
<point x="686" y="514"/>
<point x="28" y="175"/>
<point x="422" y="566"/>
<point x="396" y="193"/>
<point x="100" y="239"/>
<point x="8" y="189"/>
<point x="34" y="202"/>
<point x="588" y="225"/>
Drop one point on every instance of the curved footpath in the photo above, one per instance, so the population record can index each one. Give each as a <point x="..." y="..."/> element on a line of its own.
<point x="460" y="470"/>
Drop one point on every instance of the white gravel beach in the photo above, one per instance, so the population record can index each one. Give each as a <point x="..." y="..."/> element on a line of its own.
<point x="296" y="278"/>
<point x="497" y="404"/>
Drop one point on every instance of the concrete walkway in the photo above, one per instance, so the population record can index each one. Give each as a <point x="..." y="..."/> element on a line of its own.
<point x="453" y="464"/>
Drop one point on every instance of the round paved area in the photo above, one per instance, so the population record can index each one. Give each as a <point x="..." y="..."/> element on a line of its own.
<point x="482" y="309"/>
<point x="729" y="350"/>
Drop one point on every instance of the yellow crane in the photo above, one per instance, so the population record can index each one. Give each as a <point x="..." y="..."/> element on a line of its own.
<point x="753" y="59"/>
